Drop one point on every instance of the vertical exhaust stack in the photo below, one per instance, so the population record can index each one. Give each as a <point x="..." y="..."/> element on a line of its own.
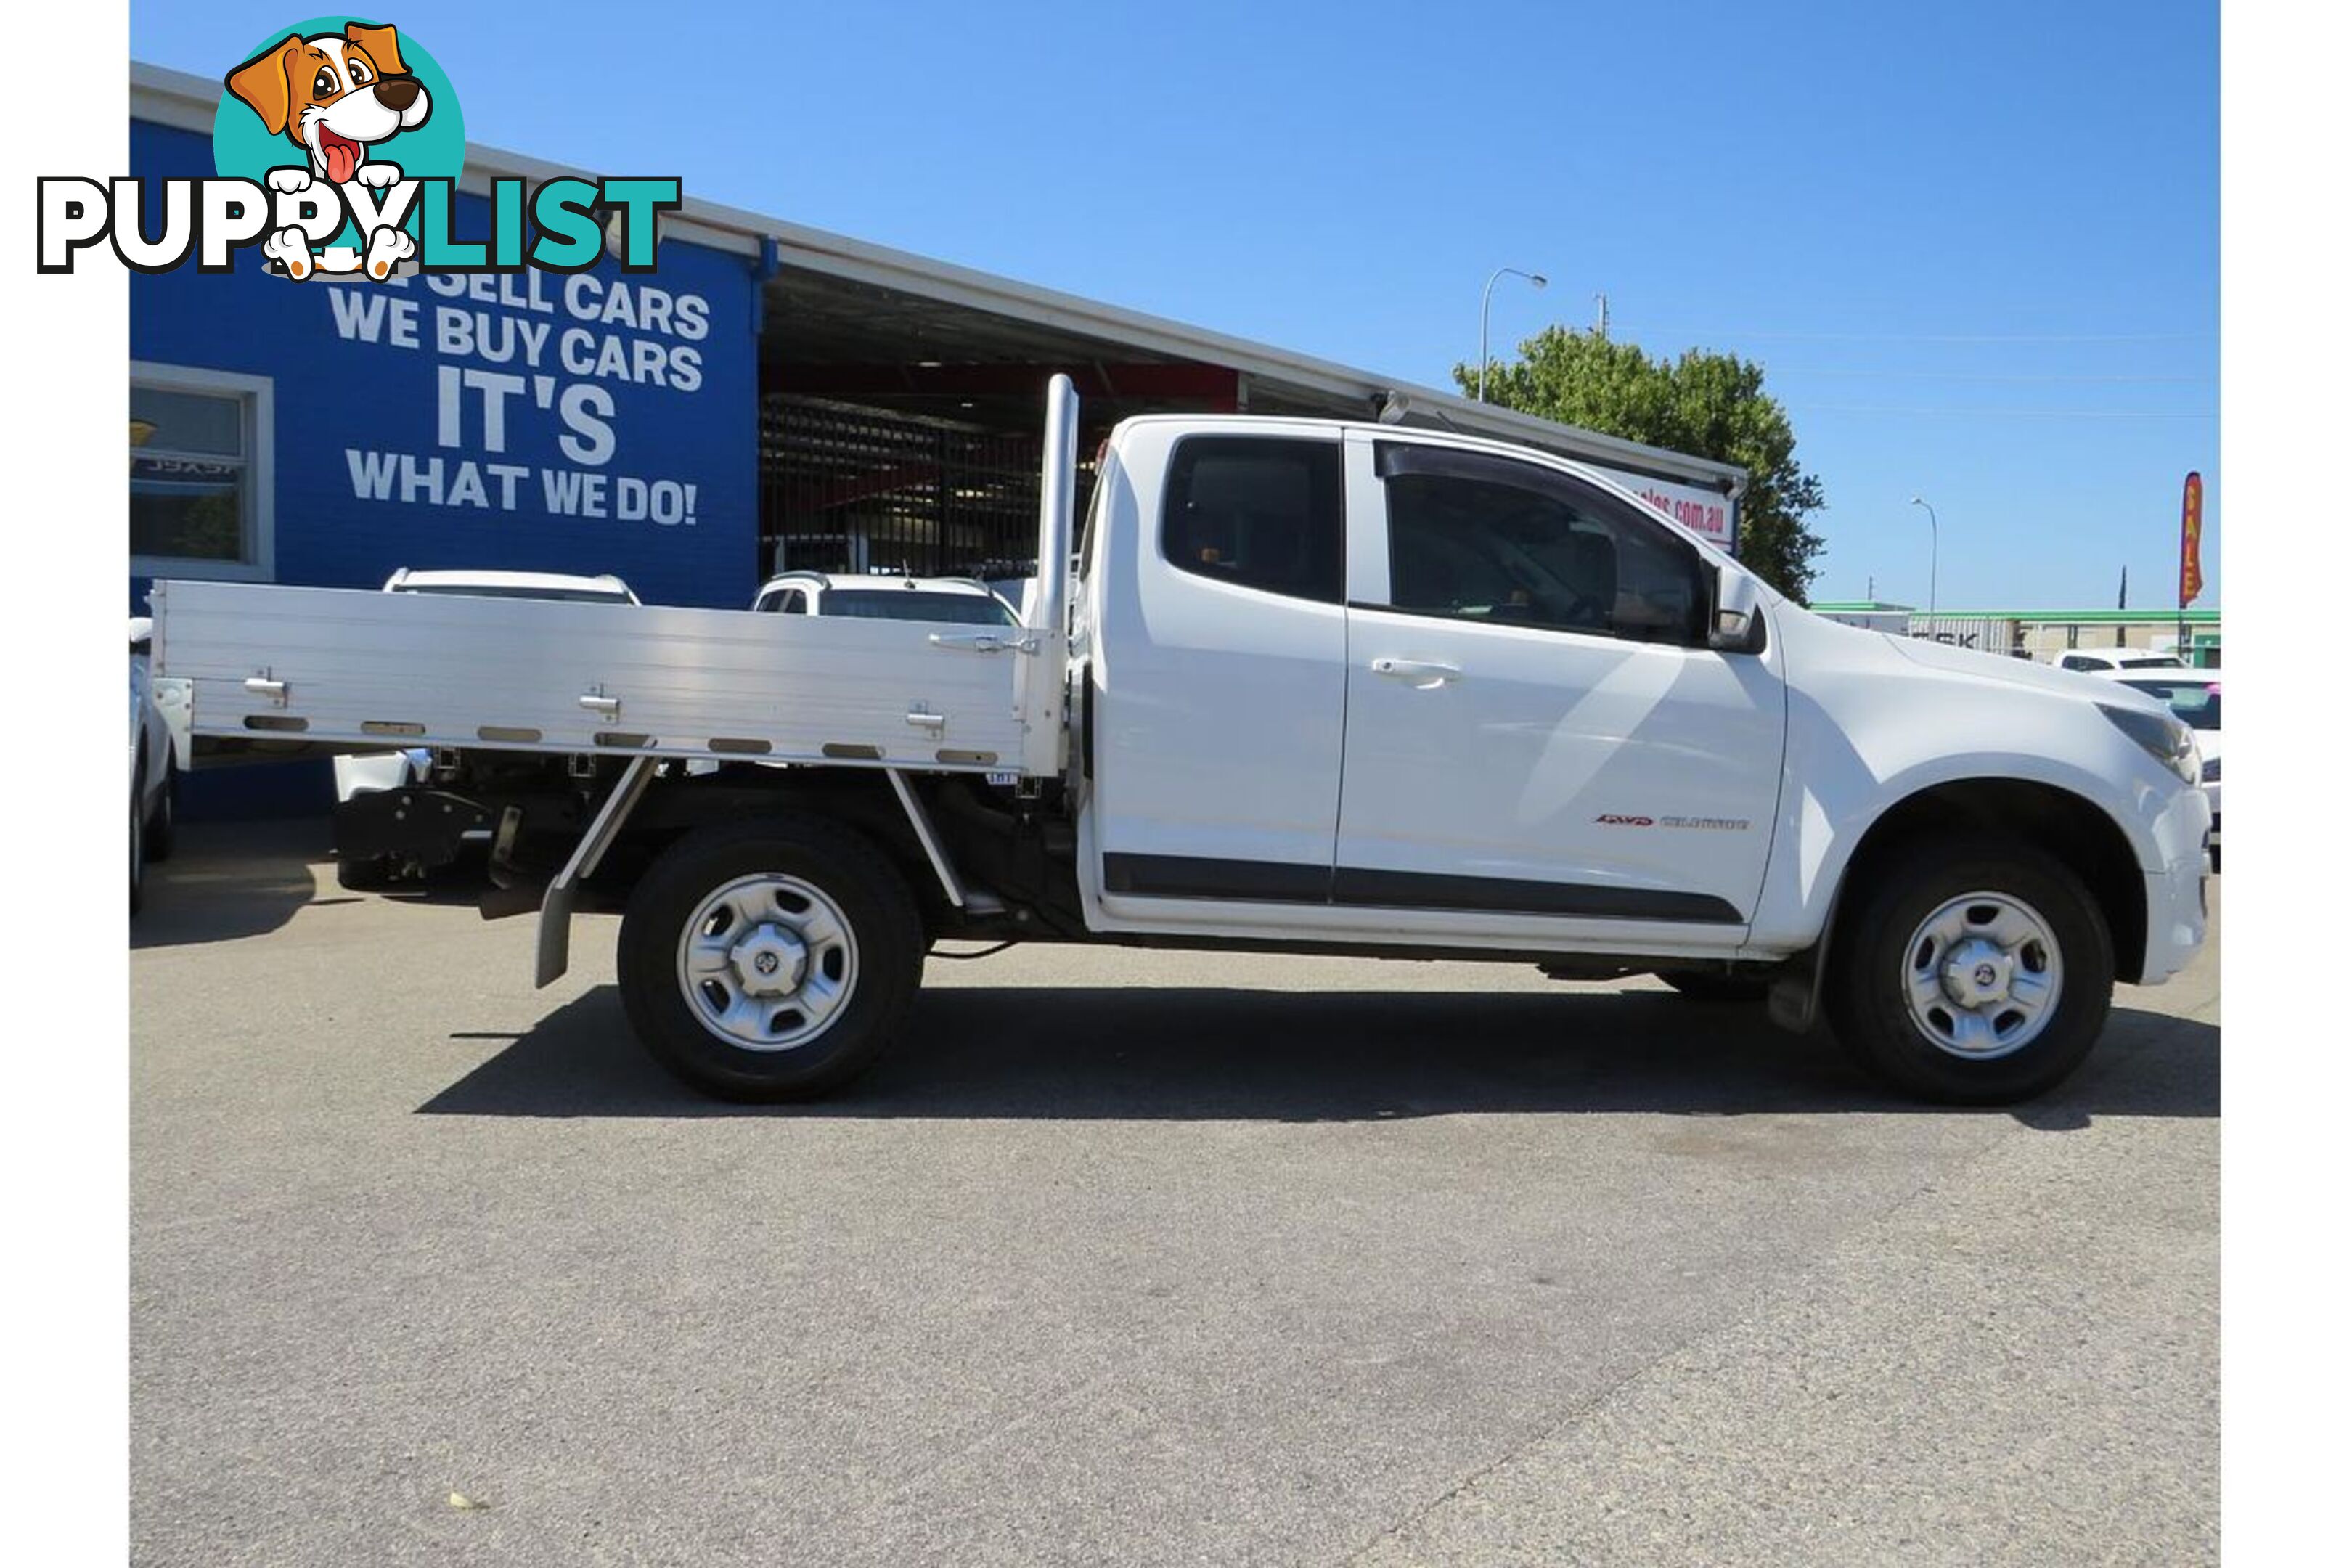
<point x="1043" y="673"/>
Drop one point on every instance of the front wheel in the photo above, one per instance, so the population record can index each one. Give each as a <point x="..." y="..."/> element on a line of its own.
<point x="770" y="959"/>
<point x="1975" y="972"/>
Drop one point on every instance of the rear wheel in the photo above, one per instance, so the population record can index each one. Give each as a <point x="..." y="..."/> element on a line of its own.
<point x="770" y="959"/>
<point x="1976" y="973"/>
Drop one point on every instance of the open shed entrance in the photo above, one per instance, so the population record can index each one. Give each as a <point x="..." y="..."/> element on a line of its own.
<point x="900" y="433"/>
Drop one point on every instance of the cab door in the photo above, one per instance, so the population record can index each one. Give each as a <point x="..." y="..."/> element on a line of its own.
<point x="1536" y="731"/>
<point x="1218" y="667"/>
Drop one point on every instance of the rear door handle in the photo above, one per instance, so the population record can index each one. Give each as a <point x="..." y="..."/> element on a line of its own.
<point x="1421" y="674"/>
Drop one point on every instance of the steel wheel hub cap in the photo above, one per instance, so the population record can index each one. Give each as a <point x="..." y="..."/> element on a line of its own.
<point x="767" y="962"/>
<point x="1977" y="973"/>
<point x="1982" y="975"/>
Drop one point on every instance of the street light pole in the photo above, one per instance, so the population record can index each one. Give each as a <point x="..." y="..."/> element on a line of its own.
<point x="1485" y="302"/>
<point x="1931" y="556"/>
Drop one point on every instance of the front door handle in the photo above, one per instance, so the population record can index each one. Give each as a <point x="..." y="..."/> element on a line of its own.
<point x="1420" y="674"/>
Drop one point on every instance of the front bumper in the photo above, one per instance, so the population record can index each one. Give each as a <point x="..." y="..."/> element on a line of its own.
<point x="2176" y="901"/>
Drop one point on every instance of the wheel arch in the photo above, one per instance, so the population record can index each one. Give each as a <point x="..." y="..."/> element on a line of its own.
<point x="860" y="799"/>
<point x="2071" y="828"/>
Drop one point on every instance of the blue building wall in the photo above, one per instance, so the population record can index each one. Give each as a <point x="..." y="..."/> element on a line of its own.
<point x="629" y="403"/>
<point x="625" y="441"/>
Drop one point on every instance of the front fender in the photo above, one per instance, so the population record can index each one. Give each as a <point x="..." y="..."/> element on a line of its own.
<point x="1870" y="729"/>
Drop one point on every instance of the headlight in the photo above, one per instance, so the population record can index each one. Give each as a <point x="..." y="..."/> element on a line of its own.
<point x="2161" y="735"/>
<point x="2212" y="770"/>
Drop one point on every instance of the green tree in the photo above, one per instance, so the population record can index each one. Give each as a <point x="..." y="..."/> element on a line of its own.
<point x="1706" y="404"/>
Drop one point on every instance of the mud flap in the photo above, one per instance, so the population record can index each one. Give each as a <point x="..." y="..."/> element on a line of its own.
<point x="556" y="904"/>
<point x="1794" y="1001"/>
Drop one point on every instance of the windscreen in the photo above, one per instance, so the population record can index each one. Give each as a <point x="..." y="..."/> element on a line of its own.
<point x="915" y="604"/>
<point x="2197" y="702"/>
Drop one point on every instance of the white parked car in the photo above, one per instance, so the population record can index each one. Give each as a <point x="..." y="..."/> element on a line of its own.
<point x="150" y="767"/>
<point x="962" y="601"/>
<point x="394" y="770"/>
<point x="2195" y="698"/>
<point x="2107" y="661"/>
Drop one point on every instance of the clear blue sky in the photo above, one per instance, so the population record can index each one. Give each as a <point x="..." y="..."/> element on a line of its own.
<point x="1977" y="248"/>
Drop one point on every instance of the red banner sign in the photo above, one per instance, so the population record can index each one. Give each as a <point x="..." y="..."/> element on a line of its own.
<point x="2193" y="528"/>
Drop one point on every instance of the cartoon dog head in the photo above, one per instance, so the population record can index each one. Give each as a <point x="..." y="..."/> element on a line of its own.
<point x="334" y="95"/>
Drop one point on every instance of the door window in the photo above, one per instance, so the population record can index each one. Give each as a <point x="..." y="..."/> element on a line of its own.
<point x="1483" y="539"/>
<point x="1259" y="512"/>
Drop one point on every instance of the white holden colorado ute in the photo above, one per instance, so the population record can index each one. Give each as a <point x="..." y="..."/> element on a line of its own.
<point x="1317" y="686"/>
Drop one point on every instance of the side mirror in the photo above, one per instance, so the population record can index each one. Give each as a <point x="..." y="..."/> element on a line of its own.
<point x="1739" y="623"/>
<point x="142" y="627"/>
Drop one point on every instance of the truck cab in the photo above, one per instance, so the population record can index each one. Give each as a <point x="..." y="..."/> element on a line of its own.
<point x="1317" y="686"/>
<point x="1363" y="680"/>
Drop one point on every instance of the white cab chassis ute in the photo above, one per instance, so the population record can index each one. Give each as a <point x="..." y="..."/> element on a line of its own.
<point x="1315" y="688"/>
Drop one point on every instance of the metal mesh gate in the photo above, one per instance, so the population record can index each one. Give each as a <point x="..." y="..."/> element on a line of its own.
<point x="846" y="489"/>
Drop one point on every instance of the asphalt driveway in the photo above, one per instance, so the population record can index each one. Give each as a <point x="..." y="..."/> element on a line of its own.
<point x="1130" y="1258"/>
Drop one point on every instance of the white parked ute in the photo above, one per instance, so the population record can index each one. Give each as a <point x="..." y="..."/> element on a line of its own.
<point x="1324" y="688"/>
<point x="2195" y="698"/>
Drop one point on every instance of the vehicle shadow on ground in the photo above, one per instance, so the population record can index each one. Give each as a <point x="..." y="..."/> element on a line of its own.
<point x="1211" y="1054"/>
<point x="227" y="880"/>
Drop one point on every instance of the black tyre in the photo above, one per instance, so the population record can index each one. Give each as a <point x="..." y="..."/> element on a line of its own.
<point x="1971" y="972"/>
<point x="137" y="841"/>
<point x="162" y="824"/>
<point x="1726" y="990"/>
<point x="770" y="959"/>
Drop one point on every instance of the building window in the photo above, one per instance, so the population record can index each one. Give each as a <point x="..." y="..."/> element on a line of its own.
<point x="200" y="473"/>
